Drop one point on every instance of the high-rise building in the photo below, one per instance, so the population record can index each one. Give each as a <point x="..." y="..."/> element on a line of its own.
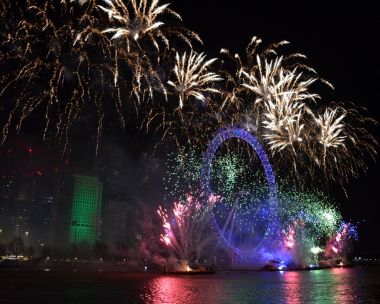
<point x="115" y="232"/>
<point x="41" y="220"/>
<point x="86" y="210"/>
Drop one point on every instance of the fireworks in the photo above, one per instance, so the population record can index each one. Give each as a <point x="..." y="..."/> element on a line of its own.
<point x="305" y="221"/>
<point x="237" y="196"/>
<point x="310" y="208"/>
<point x="68" y="58"/>
<point x="231" y="173"/>
<point x="343" y="142"/>
<point x="137" y="19"/>
<point x="267" y="76"/>
<point x="312" y="228"/>
<point x="272" y="96"/>
<point x="144" y="22"/>
<point x="242" y="211"/>
<point x="56" y="56"/>
<point x="294" y="229"/>
<point x="138" y="24"/>
<point x="189" y="116"/>
<point x="273" y="84"/>
<point x="186" y="229"/>
<point x="285" y="105"/>
<point x="193" y="77"/>
<point x="331" y="129"/>
<point x="51" y="66"/>
<point x="339" y="244"/>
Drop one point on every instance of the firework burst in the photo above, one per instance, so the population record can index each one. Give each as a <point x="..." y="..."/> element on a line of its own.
<point x="271" y="95"/>
<point x="231" y="174"/>
<point x="312" y="210"/>
<point x="341" y="243"/>
<point x="70" y="57"/>
<point x="312" y="228"/>
<point x="137" y="25"/>
<point x="186" y="230"/>
<point x="48" y="66"/>
<point x="264" y="73"/>
<point x="193" y="77"/>
<point x="141" y="19"/>
<point x="343" y="142"/>
<point x="189" y="115"/>
<point x="57" y="57"/>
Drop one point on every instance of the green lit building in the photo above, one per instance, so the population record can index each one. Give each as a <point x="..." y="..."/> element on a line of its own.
<point x="85" y="214"/>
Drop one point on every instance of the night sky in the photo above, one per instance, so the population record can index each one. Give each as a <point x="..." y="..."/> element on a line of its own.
<point x="342" y="44"/>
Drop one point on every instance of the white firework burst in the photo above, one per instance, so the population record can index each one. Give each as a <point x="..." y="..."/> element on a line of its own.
<point x="141" y="18"/>
<point x="342" y="142"/>
<point x="283" y="123"/>
<point x="331" y="129"/>
<point x="270" y="82"/>
<point x="193" y="77"/>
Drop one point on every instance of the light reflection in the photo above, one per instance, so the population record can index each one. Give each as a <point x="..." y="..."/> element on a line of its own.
<point x="321" y="283"/>
<point x="344" y="290"/>
<point x="182" y="289"/>
<point x="336" y="285"/>
<point x="292" y="287"/>
<point x="339" y="285"/>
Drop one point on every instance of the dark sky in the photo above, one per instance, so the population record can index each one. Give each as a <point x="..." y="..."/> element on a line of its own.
<point x="342" y="43"/>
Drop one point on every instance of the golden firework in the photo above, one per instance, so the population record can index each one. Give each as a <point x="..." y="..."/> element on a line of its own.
<point x="193" y="77"/>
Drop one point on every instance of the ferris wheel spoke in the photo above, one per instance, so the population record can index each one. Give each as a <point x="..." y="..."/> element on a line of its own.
<point x="232" y="216"/>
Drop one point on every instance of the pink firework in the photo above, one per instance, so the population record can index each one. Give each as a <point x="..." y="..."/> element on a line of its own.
<point x="186" y="230"/>
<point x="340" y="243"/>
<point x="290" y="235"/>
<point x="290" y="239"/>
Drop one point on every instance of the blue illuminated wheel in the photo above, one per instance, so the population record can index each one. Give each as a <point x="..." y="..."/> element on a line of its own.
<point x="221" y="136"/>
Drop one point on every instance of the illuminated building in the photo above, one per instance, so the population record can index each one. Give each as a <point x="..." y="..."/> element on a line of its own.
<point x="86" y="208"/>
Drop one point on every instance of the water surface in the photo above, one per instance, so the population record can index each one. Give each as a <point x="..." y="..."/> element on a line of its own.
<point x="347" y="285"/>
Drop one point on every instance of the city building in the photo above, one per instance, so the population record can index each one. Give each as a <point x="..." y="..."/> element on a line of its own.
<point x="115" y="230"/>
<point x="86" y="210"/>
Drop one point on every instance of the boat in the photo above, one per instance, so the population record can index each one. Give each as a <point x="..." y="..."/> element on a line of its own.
<point x="190" y="271"/>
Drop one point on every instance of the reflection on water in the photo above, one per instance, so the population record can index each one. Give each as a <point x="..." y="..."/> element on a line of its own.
<point x="171" y="289"/>
<point x="344" y="287"/>
<point x="340" y="285"/>
<point x="320" y="279"/>
<point x="292" y="286"/>
<point x="353" y="285"/>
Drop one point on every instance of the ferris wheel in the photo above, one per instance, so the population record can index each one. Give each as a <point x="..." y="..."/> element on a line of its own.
<point x="238" y="222"/>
